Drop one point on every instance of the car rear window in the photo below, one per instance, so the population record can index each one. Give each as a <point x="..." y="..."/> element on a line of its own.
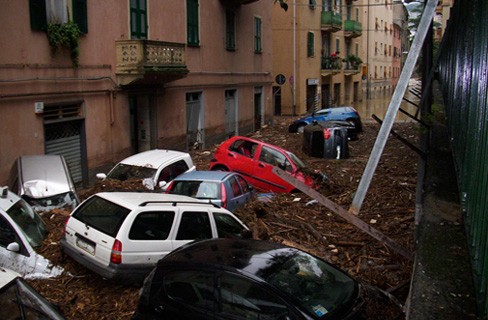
<point x="197" y="189"/>
<point x="101" y="214"/>
<point x="153" y="225"/>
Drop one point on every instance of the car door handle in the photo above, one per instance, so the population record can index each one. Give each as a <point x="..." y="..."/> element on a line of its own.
<point x="261" y="165"/>
<point x="231" y="155"/>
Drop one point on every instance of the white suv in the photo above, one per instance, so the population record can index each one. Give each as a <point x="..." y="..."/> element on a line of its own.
<point x="156" y="167"/>
<point x="122" y="235"/>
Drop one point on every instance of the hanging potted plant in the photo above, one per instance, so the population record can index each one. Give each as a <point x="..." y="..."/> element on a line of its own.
<point x="353" y="62"/>
<point x="65" y="35"/>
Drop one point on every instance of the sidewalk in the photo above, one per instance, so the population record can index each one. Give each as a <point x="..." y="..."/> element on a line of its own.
<point x="442" y="283"/>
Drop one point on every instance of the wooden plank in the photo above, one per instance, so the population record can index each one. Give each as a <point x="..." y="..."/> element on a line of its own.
<point x="343" y="213"/>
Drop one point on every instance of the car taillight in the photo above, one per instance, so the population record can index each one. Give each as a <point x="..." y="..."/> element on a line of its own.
<point x="65" y="226"/>
<point x="170" y="186"/>
<point x="224" y="196"/>
<point x="326" y="133"/>
<point x="116" y="255"/>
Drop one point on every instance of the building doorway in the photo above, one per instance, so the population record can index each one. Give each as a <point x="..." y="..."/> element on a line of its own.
<point x="141" y="127"/>
<point x="258" y="108"/>
<point x="231" y="128"/>
<point x="64" y="134"/>
<point x="194" y="121"/>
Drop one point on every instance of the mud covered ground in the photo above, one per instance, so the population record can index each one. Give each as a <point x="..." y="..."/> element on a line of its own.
<point x="287" y="218"/>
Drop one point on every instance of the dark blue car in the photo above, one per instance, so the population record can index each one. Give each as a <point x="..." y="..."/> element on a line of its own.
<point x="348" y="114"/>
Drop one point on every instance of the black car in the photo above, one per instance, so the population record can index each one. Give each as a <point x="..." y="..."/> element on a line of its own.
<point x="247" y="279"/>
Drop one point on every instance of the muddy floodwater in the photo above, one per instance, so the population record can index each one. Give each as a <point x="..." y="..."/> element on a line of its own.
<point x="379" y="104"/>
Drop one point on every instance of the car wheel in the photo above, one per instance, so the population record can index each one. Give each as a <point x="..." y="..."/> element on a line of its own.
<point x="301" y="128"/>
<point x="352" y="122"/>
<point x="219" y="168"/>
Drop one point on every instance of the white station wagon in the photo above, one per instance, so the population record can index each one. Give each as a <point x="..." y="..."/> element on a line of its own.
<point x="122" y="235"/>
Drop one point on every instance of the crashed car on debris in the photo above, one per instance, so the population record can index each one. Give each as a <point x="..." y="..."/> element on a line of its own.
<point x="247" y="279"/>
<point x="21" y="231"/>
<point x="226" y="189"/>
<point x="18" y="300"/>
<point x="346" y="113"/>
<point x="155" y="167"/>
<point x="44" y="181"/>
<point x="122" y="235"/>
<point x="255" y="160"/>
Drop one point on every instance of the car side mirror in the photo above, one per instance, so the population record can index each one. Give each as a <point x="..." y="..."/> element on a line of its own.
<point x="162" y="184"/>
<point x="282" y="166"/>
<point x="13" y="246"/>
<point x="101" y="176"/>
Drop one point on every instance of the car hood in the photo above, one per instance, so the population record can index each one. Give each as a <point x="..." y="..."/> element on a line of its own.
<point x="42" y="189"/>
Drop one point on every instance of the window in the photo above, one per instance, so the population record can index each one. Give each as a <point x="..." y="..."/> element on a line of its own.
<point x="227" y="226"/>
<point x="338" y="46"/>
<point x="230" y="30"/>
<point x="43" y="12"/>
<point x="193" y="288"/>
<point x="234" y="185"/>
<point x="152" y="226"/>
<point x="192" y="26"/>
<point x="7" y="233"/>
<point x="257" y="35"/>
<point x="194" y="225"/>
<point x="312" y="4"/>
<point x="173" y="170"/>
<point x="310" y="44"/>
<point x="138" y="19"/>
<point x="243" y="184"/>
<point x="242" y="299"/>
<point x="246" y="148"/>
<point x="274" y="158"/>
<point x="103" y="215"/>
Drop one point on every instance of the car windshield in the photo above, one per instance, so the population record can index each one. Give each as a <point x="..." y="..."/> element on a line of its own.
<point x="20" y="301"/>
<point x="101" y="214"/>
<point x="319" y="287"/>
<point x="197" y="189"/>
<point x="29" y="221"/>
<point x="66" y="199"/>
<point x="299" y="163"/>
<point x="124" y="172"/>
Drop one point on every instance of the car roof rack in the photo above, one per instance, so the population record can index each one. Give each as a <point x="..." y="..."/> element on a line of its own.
<point x="174" y="203"/>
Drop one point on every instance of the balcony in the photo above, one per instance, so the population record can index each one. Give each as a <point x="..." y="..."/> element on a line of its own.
<point x="147" y="62"/>
<point x="236" y="3"/>
<point x="331" y="21"/>
<point x="352" y="29"/>
<point x="330" y="66"/>
<point x="350" y="70"/>
<point x="352" y="65"/>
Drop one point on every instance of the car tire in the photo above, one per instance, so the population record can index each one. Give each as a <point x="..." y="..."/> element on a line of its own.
<point x="219" y="168"/>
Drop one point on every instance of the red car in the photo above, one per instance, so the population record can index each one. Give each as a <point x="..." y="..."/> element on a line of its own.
<point x="255" y="159"/>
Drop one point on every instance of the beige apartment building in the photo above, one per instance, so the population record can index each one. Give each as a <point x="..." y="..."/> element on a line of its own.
<point x="316" y="46"/>
<point x="145" y="74"/>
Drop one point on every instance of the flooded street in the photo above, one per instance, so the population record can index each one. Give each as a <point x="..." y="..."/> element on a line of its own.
<point x="379" y="104"/>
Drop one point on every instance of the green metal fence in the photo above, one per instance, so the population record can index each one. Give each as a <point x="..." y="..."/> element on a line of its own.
<point x="463" y="77"/>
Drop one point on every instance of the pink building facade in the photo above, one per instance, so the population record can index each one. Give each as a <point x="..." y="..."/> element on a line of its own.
<point x="149" y="74"/>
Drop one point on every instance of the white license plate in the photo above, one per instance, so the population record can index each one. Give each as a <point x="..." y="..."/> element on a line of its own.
<point x="85" y="246"/>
